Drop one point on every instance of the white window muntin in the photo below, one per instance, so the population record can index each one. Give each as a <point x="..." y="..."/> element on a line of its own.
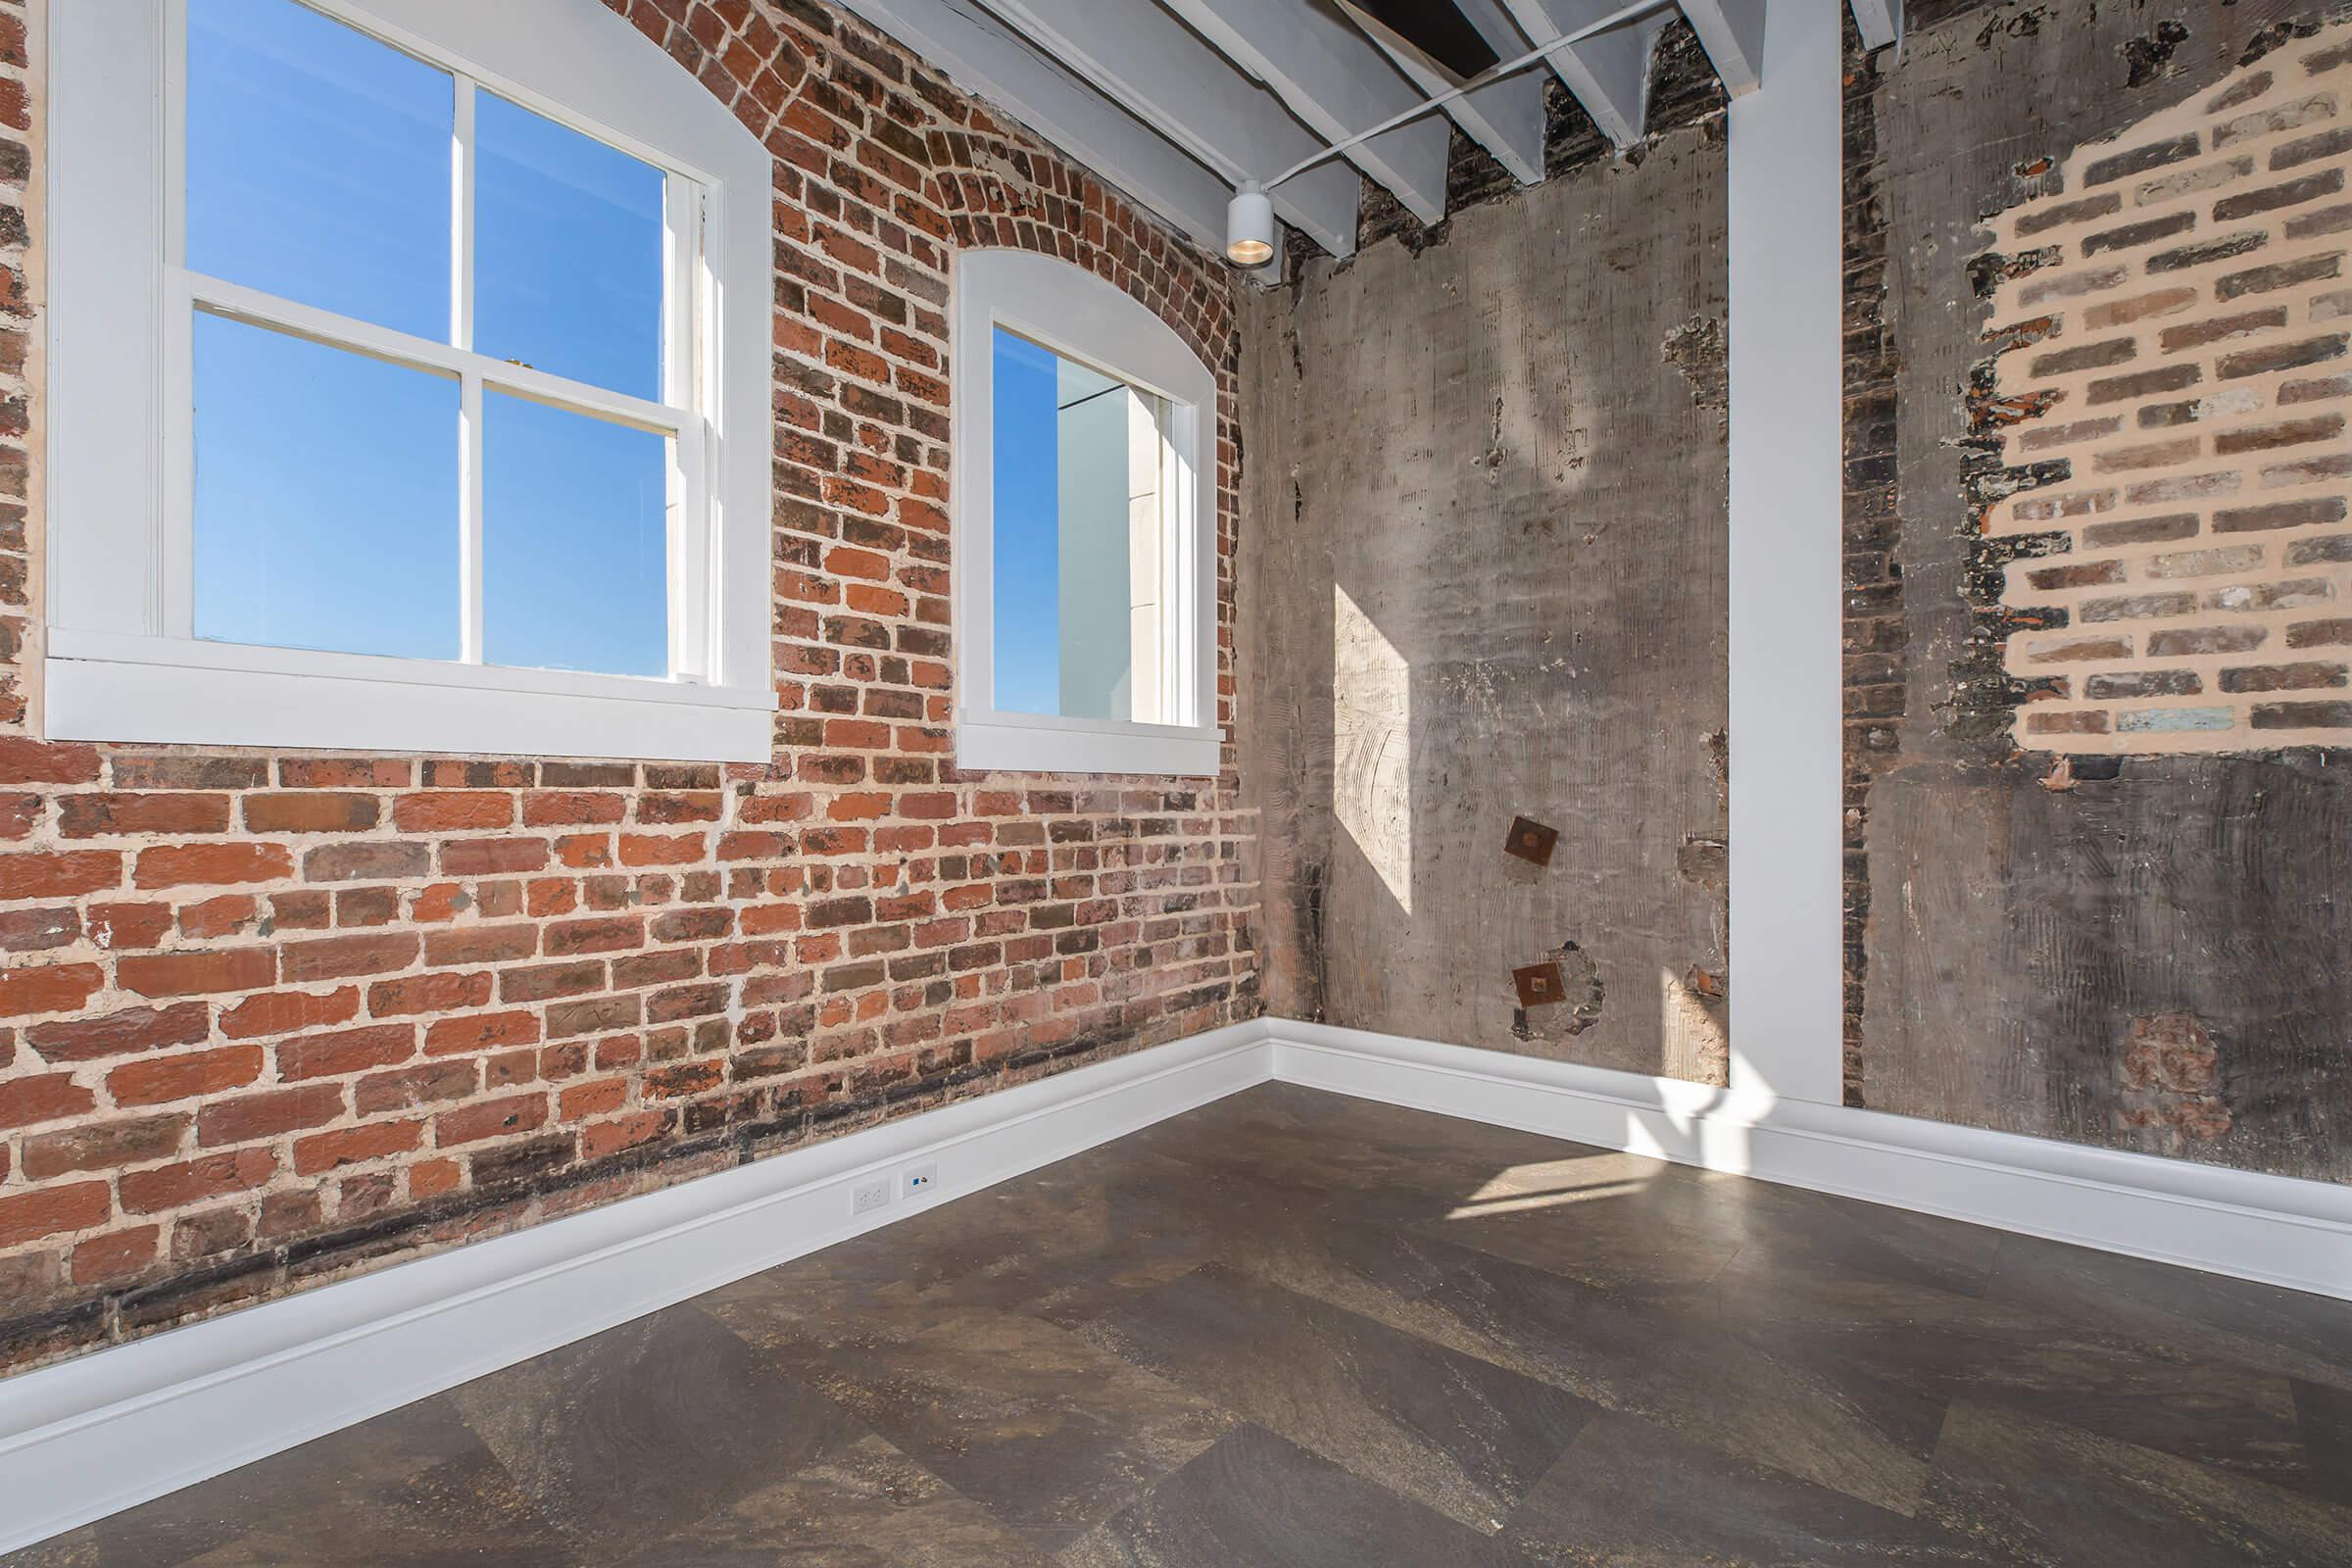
<point x="1073" y="313"/>
<point x="122" y="664"/>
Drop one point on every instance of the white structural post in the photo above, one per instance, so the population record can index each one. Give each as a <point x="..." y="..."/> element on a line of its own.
<point x="1786" y="843"/>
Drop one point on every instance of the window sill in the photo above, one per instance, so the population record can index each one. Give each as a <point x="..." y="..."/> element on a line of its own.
<point x="157" y="690"/>
<point x="1027" y="743"/>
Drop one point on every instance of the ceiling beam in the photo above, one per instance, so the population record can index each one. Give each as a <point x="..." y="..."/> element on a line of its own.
<point x="1335" y="79"/>
<point x="1504" y="117"/>
<point x="1608" y="72"/>
<point x="1148" y="62"/>
<point x="980" y="55"/>
<point x="1731" y="31"/>
<point x="1880" y="22"/>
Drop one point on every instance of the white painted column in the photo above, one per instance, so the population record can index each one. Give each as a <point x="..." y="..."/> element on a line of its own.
<point x="1786" y="844"/>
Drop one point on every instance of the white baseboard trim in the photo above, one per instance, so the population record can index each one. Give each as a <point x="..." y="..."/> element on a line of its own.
<point x="2273" y="1229"/>
<point x="110" y="1429"/>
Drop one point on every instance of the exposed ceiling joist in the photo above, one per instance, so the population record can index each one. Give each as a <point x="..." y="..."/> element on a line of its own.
<point x="1609" y="72"/>
<point x="1335" y="79"/>
<point x="1505" y="116"/>
<point x="1880" y="22"/>
<point x="1146" y="61"/>
<point x="1731" y="31"/>
<point x="981" y="54"/>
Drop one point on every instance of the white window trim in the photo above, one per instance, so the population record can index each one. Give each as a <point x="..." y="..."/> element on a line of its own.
<point x="121" y="664"/>
<point x="1082" y="318"/>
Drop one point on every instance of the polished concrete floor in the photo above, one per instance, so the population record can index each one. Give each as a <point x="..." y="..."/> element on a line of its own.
<point x="1297" y="1329"/>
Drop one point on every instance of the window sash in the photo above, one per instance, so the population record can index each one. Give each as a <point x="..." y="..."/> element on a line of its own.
<point x="692" y="654"/>
<point x="1085" y="318"/>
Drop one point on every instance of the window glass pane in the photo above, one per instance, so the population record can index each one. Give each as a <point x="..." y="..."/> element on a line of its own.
<point x="319" y="164"/>
<point x="568" y="252"/>
<point x="327" y="497"/>
<point x="1078" y="540"/>
<point x="575" y="555"/>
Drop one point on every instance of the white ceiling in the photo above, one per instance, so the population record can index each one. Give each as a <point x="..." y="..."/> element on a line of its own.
<point x="1179" y="101"/>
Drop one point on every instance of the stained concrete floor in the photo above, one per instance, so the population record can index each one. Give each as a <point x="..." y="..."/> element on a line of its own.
<point x="1297" y="1329"/>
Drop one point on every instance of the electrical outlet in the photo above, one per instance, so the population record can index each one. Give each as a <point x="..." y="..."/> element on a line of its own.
<point x="866" y="1197"/>
<point x="921" y="1179"/>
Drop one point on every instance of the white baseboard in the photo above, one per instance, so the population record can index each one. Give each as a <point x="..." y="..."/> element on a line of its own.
<point x="2274" y="1229"/>
<point x="107" y="1431"/>
<point x="115" y="1428"/>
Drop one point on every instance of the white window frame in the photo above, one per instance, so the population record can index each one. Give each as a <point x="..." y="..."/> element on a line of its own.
<point x="1081" y="316"/>
<point x="121" y="662"/>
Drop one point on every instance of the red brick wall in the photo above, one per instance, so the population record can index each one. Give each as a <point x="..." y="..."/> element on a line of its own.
<point x="270" y="1018"/>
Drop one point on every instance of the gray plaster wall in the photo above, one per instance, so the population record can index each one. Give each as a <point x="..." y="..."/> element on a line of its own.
<point x="1483" y="574"/>
<point x="2021" y="941"/>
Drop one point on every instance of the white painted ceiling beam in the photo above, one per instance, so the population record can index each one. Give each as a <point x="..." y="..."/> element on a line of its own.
<point x="1335" y="79"/>
<point x="1505" y="116"/>
<point x="1880" y="22"/>
<point x="1608" y="72"/>
<point x="1731" y="31"/>
<point x="1150" y="64"/>
<point x="979" y="54"/>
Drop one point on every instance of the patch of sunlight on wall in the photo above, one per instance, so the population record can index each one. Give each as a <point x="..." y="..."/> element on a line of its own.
<point x="1372" y="747"/>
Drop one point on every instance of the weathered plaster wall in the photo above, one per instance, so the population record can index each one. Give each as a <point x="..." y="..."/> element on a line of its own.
<point x="2150" y="952"/>
<point x="1483" y="575"/>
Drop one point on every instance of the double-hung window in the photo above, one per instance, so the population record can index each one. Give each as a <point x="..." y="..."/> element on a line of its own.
<point x="1085" y="527"/>
<point x="409" y="381"/>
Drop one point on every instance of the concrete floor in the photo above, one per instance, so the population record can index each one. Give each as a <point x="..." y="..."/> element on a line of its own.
<point x="1297" y="1329"/>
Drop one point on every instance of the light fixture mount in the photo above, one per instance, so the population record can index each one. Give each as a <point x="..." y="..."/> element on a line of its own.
<point x="1250" y="225"/>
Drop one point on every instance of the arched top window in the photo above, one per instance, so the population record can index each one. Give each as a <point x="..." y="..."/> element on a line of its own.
<point x="1084" y="547"/>
<point x="408" y="382"/>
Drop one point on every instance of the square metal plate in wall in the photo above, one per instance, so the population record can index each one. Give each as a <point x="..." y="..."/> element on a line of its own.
<point x="1531" y="841"/>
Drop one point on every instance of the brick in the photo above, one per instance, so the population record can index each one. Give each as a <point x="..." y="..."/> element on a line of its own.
<point x="354" y="1146"/>
<point x="48" y="988"/>
<point x="191" y="974"/>
<point x="121" y="1033"/>
<point x="104" y="1146"/>
<point x="442" y="812"/>
<point x="2320" y="633"/>
<point x="311" y="812"/>
<point x="286" y="1012"/>
<point x="2131" y="236"/>
<point x="410" y="1087"/>
<point x="494" y="1118"/>
<point x="337" y="957"/>
<point x="184" y="865"/>
<point x="53" y="1212"/>
<point x="2287" y="193"/>
<point x="158" y="1080"/>
<point x="2303" y="716"/>
<point x="428" y="993"/>
<point x="2283" y="357"/>
<point x="116" y="1256"/>
<point x="2215" y="329"/>
<point x="23" y="760"/>
<point x="43" y="1096"/>
<point x="2278" y="275"/>
<point x="2304" y="677"/>
<point x="83" y="817"/>
<point x="44" y="875"/>
<point x="248" y="1118"/>
<point x="481" y="1031"/>
<point x="365" y="862"/>
<point x="2137" y="161"/>
<point x="2314" y="512"/>
<point x="341" y="1052"/>
<point x="210" y="1176"/>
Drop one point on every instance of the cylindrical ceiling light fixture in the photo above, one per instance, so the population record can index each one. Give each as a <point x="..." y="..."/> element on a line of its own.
<point x="1250" y="225"/>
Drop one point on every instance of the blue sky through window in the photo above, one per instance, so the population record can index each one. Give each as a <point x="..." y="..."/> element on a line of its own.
<point x="1028" y="528"/>
<point x="326" y="508"/>
<point x="327" y="497"/>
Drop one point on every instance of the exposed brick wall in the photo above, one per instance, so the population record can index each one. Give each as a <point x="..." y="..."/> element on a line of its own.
<point x="1873" y="587"/>
<point x="2174" y="314"/>
<point x="266" y="1020"/>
